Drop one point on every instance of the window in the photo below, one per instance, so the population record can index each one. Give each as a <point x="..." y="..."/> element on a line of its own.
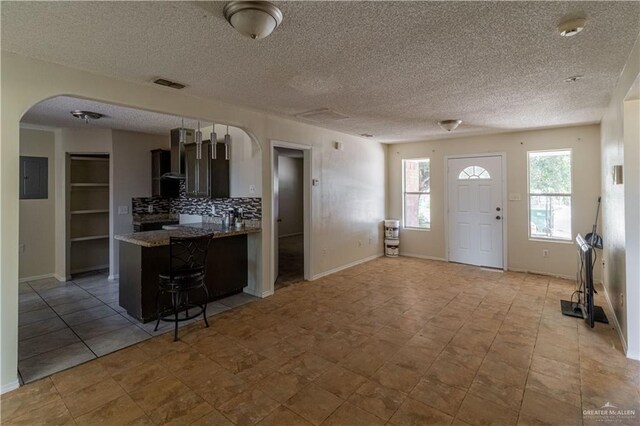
<point x="550" y="194"/>
<point x="474" y="172"/>
<point x="417" y="198"/>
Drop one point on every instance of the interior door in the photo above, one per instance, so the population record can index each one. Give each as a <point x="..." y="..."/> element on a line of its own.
<point x="276" y="216"/>
<point x="475" y="188"/>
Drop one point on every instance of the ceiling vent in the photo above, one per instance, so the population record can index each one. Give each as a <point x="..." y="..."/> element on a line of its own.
<point x="324" y="115"/>
<point x="169" y="83"/>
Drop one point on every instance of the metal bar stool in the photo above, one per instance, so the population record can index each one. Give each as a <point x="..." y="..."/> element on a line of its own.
<point x="187" y="271"/>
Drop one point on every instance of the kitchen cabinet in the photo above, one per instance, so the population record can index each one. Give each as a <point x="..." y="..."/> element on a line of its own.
<point x="161" y="164"/>
<point x="204" y="176"/>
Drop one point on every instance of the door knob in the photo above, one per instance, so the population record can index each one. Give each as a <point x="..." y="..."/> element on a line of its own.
<point x="497" y="209"/>
<point x="498" y="217"/>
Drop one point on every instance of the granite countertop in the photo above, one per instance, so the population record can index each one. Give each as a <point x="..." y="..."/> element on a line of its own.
<point x="161" y="238"/>
<point x="153" y="218"/>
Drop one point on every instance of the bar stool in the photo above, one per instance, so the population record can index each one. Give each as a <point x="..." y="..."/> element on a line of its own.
<point x="187" y="271"/>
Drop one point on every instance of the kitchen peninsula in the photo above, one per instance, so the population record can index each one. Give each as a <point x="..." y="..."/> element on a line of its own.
<point x="144" y="255"/>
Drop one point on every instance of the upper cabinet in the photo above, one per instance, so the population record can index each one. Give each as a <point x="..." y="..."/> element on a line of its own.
<point x="161" y="164"/>
<point x="204" y="176"/>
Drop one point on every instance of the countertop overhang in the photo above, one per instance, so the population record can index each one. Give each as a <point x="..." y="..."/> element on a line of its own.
<point x="161" y="238"/>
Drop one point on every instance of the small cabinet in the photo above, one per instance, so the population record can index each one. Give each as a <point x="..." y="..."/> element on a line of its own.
<point x="206" y="177"/>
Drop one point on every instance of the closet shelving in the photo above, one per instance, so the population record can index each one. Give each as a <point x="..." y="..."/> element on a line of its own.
<point x="88" y="233"/>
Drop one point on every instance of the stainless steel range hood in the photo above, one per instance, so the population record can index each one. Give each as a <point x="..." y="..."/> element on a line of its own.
<point x="177" y="154"/>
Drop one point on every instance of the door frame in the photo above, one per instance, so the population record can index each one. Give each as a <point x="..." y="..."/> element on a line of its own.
<point x="307" y="211"/>
<point x="505" y="201"/>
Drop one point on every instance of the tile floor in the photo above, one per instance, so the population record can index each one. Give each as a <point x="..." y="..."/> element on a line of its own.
<point x="290" y="261"/>
<point x="393" y="341"/>
<point x="63" y="324"/>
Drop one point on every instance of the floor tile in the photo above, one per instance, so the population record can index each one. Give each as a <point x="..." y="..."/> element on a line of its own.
<point x="35" y="316"/>
<point x="115" y="340"/>
<point x="52" y="413"/>
<point x="91" y="329"/>
<point x="377" y="399"/>
<point x="39" y="328"/>
<point x="28" y="398"/>
<point x="91" y="397"/>
<point x="48" y="363"/>
<point x="249" y="407"/>
<point x="438" y="395"/>
<point x="45" y="343"/>
<point x="415" y="413"/>
<point x="88" y="315"/>
<point x="314" y="404"/>
<point x="120" y="411"/>
<point x="80" y="305"/>
<point x="282" y="386"/>
<point x="349" y="414"/>
<point x="340" y="381"/>
<point x="282" y="416"/>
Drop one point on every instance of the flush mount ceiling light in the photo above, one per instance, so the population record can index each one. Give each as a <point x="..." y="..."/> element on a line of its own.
<point x="253" y="19"/>
<point x="449" y="125"/>
<point x="571" y="27"/>
<point x="86" y="115"/>
<point x="366" y="135"/>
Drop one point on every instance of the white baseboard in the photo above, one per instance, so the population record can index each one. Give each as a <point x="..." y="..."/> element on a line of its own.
<point x="616" y="325"/>
<point x="89" y="269"/>
<point x="422" y="256"/>
<point x="10" y="386"/>
<point x="37" y="277"/>
<point x="61" y="278"/>
<point x="347" y="266"/>
<point x="267" y="293"/>
<point x="114" y="277"/>
<point x="295" y="234"/>
<point x="546" y="274"/>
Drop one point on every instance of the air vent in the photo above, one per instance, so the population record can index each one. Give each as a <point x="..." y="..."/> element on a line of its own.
<point x="169" y="83"/>
<point x="323" y="115"/>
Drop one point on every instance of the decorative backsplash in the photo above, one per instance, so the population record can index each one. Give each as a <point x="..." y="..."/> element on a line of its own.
<point x="140" y="206"/>
<point x="251" y="207"/>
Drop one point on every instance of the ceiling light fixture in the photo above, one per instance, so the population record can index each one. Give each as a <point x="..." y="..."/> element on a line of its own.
<point x="573" y="79"/>
<point x="571" y="27"/>
<point x="449" y="125"/>
<point x="253" y="19"/>
<point x="366" y="135"/>
<point x="86" y="115"/>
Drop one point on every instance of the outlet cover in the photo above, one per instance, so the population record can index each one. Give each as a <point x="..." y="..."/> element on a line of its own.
<point x="123" y="210"/>
<point x="252" y="189"/>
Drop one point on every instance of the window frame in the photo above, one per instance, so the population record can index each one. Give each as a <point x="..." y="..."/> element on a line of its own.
<point x="404" y="193"/>
<point x="550" y="194"/>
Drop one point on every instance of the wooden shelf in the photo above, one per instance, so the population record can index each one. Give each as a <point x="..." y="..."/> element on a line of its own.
<point x="89" y="238"/>
<point x="89" y="211"/>
<point x="89" y="184"/>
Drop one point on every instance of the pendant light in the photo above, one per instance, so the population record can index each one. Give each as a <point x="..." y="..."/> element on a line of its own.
<point x="214" y="142"/>
<point x="227" y="144"/>
<point x="182" y="133"/>
<point x="198" y="143"/>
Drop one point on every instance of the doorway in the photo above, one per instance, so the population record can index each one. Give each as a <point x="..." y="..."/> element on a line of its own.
<point x="476" y="214"/>
<point x="291" y="213"/>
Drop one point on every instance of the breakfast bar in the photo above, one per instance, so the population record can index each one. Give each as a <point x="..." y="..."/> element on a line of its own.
<point x="144" y="255"/>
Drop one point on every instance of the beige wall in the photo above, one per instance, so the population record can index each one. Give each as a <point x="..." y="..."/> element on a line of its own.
<point x="348" y="205"/>
<point x="37" y="217"/>
<point x="131" y="160"/>
<point x="290" y="196"/>
<point x="620" y="203"/>
<point x="523" y="254"/>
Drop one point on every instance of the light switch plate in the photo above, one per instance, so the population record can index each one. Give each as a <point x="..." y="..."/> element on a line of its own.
<point x="514" y="196"/>
<point x="123" y="210"/>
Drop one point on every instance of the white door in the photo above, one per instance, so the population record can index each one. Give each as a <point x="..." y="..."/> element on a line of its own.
<point x="475" y="211"/>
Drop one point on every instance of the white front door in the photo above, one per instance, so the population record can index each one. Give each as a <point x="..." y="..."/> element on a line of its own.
<point x="475" y="211"/>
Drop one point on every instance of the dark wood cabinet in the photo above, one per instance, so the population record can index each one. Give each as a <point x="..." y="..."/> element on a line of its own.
<point x="161" y="164"/>
<point x="204" y="176"/>
<point x="226" y="274"/>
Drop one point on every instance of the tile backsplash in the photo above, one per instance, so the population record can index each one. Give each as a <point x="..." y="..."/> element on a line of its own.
<point x="251" y="207"/>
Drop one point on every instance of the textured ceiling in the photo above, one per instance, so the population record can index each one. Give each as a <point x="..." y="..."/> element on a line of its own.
<point x="56" y="112"/>
<point x="394" y="68"/>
